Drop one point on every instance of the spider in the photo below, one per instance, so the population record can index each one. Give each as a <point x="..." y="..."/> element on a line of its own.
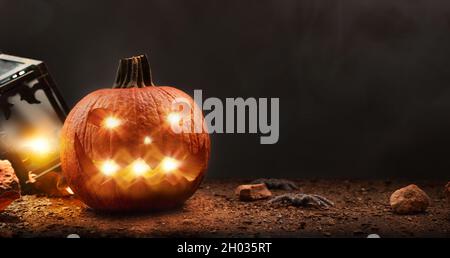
<point x="303" y="200"/>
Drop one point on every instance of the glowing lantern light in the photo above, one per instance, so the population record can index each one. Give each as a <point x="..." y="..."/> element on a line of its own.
<point x="111" y="122"/>
<point x="109" y="167"/>
<point x="139" y="167"/>
<point x="38" y="145"/>
<point x="169" y="164"/>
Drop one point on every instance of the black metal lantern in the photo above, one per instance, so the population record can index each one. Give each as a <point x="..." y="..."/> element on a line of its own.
<point x="32" y="113"/>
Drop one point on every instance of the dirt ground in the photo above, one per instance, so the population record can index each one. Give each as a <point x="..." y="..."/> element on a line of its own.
<point x="361" y="208"/>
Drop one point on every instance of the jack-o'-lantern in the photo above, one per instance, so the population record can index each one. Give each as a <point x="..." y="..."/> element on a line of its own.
<point x="119" y="151"/>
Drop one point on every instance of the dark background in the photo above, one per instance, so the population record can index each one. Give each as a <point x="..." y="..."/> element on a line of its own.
<point x="364" y="85"/>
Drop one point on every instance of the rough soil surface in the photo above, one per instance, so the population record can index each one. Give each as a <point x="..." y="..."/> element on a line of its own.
<point x="361" y="208"/>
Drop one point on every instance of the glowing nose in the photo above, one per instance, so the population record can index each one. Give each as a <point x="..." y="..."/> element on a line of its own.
<point x="148" y="140"/>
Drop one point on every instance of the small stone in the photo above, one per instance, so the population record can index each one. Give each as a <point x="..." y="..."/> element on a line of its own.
<point x="409" y="200"/>
<point x="9" y="185"/>
<point x="253" y="192"/>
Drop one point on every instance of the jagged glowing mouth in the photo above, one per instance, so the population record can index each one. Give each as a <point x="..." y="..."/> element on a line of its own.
<point x="139" y="170"/>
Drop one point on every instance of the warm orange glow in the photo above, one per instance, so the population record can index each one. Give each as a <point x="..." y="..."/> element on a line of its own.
<point x="109" y="167"/>
<point x="169" y="164"/>
<point x="174" y="118"/>
<point x="69" y="190"/>
<point x="139" y="167"/>
<point x="38" y="145"/>
<point x="111" y="122"/>
<point x="148" y="140"/>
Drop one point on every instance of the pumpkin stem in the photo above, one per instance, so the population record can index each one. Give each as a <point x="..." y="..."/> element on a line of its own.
<point x="133" y="72"/>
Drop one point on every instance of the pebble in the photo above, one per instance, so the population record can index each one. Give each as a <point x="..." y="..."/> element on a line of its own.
<point x="252" y="192"/>
<point x="409" y="200"/>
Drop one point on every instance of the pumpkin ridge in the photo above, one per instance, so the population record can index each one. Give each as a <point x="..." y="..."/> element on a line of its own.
<point x="156" y="106"/>
<point x="148" y="95"/>
<point x="83" y="123"/>
<point x="136" y="118"/>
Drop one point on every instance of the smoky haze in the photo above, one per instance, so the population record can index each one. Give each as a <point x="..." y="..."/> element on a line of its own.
<point x="364" y="85"/>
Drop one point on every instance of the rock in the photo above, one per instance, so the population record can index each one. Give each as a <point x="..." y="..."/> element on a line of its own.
<point x="447" y="192"/>
<point x="253" y="192"/>
<point x="9" y="185"/>
<point x="409" y="200"/>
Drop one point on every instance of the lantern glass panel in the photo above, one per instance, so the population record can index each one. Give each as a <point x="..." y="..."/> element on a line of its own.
<point x="6" y="66"/>
<point x="32" y="131"/>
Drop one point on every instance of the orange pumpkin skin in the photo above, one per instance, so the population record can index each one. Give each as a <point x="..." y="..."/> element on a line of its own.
<point x="142" y="113"/>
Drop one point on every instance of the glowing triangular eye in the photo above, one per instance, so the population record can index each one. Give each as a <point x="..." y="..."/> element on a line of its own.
<point x="97" y="116"/>
<point x="111" y="122"/>
<point x="174" y="118"/>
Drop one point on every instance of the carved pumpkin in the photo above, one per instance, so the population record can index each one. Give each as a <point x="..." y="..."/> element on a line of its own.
<point x="119" y="152"/>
